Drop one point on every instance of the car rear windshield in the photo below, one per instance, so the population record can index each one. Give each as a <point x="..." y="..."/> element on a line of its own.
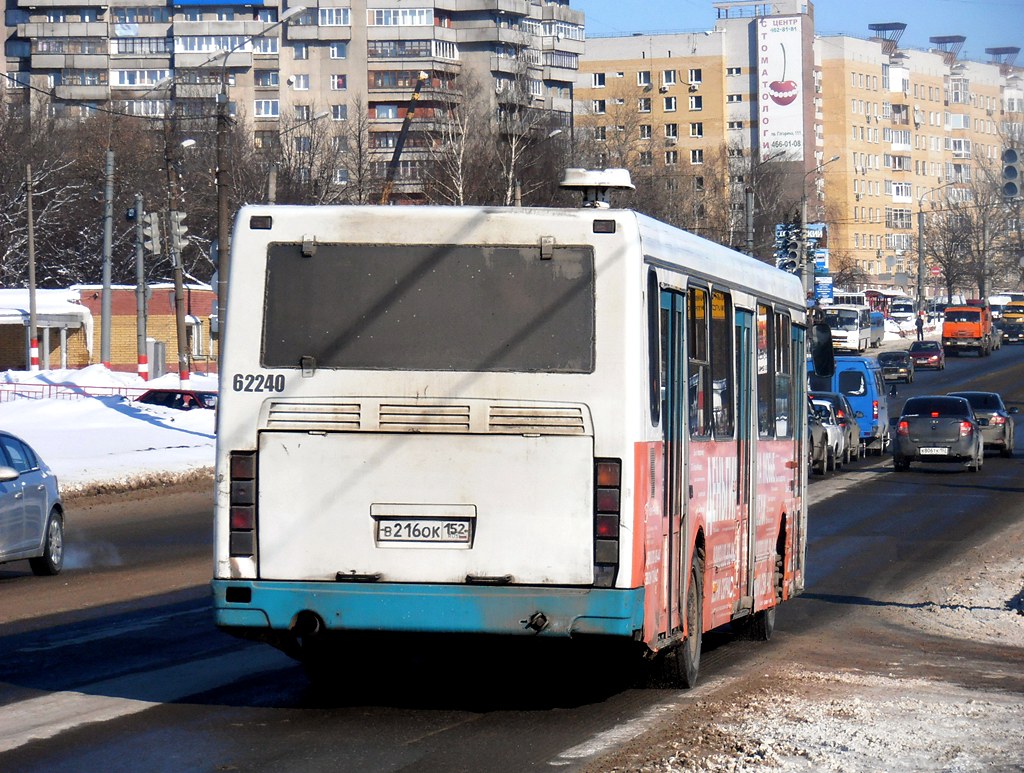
<point x="892" y="358"/>
<point x="430" y="307"/>
<point x="943" y="406"/>
<point x="983" y="401"/>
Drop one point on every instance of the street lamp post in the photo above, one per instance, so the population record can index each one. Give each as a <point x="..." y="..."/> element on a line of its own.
<point x="223" y="170"/>
<point x="920" y="240"/>
<point x="807" y="273"/>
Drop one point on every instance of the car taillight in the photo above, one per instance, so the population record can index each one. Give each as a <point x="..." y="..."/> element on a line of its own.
<point x="242" y="511"/>
<point x="966" y="428"/>
<point x="903" y="428"/>
<point x="997" y="421"/>
<point x="607" y="510"/>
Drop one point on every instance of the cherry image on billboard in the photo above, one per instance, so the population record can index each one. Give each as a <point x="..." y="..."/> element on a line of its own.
<point x="783" y="92"/>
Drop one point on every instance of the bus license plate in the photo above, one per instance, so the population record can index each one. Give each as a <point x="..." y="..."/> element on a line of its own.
<point x="423" y="530"/>
<point x="934" y="452"/>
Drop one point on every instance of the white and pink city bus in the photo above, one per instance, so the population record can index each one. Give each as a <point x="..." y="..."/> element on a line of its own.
<point x="576" y="423"/>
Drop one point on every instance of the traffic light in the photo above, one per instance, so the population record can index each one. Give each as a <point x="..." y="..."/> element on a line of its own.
<point x="787" y="254"/>
<point x="178" y="230"/>
<point x="151" y="232"/>
<point x="1013" y="173"/>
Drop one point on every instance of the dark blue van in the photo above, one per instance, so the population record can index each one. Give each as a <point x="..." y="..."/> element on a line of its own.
<point x="860" y="379"/>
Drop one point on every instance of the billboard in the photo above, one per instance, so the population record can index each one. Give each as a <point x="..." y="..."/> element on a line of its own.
<point x="780" y="87"/>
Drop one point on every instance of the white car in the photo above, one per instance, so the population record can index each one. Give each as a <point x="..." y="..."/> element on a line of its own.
<point x="836" y="450"/>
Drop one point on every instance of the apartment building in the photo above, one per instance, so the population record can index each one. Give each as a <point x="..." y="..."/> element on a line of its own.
<point x="284" y="64"/>
<point x="913" y="129"/>
<point x="862" y="132"/>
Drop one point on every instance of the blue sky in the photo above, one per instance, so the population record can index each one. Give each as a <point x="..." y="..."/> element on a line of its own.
<point x="985" y="23"/>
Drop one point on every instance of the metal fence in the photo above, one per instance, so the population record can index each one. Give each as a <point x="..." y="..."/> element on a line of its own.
<point x="36" y="391"/>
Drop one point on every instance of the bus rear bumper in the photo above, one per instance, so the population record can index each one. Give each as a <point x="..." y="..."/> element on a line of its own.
<point x="555" y="612"/>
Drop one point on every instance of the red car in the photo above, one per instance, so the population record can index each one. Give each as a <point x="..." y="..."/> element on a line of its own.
<point x="180" y="399"/>
<point x="928" y="354"/>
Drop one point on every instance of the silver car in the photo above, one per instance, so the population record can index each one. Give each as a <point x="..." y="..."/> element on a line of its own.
<point x="31" y="511"/>
<point x="995" y="419"/>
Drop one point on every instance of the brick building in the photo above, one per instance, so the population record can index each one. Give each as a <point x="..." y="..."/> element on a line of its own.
<point x="70" y="328"/>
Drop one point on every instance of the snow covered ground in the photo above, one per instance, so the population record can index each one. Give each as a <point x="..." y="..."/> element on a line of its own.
<point x="110" y="442"/>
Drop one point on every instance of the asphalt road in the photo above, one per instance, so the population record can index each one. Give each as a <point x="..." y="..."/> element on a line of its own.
<point x="115" y="664"/>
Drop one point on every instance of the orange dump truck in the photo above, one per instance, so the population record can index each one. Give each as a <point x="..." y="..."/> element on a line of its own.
<point x="967" y="328"/>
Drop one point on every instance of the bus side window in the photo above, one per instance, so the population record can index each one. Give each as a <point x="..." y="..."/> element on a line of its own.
<point x="698" y="393"/>
<point x="723" y="394"/>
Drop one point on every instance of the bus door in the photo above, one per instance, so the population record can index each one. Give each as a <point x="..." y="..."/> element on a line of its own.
<point x="673" y="355"/>
<point x="744" y="447"/>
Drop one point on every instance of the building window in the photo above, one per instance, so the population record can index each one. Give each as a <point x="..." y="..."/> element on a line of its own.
<point x="303" y="144"/>
<point x="671" y="130"/>
<point x="733" y="70"/>
<point x="696" y="156"/>
<point x="339" y="50"/>
<point x="696" y="103"/>
<point x="644" y="105"/>
<point x="225" y="14"/>
<point x="301" y="51"/>
<point x="671" y="157"/>
<point x="597" y="80"/>
<point x="668" y="77"/>
<point x="267" y="108"/>
<point x="643" y="78"/>
<point x="341" y="177"/>
<point x="334" y="17"/>
<point x="400" y="17"/>
<point x="265" y="78"/>
<point x="645" y="131"/>
<point x="696" y="129"/>
<point x="303" y="112"/>
<point x="300" y="82"/>
<point x="339" y="82"/>
<point x="735" y="125"/>
<point x="670" y="104"/>
<point x="695" y="76"/>
<point x="646" y="158"/>
<point x="698" y="184"/>
<point x="387" y="111"/>
<point x="733" y="98"/>
<point x="599" y="106"/>
<point x="600" y="133"/>
<point x="339" y="112"/>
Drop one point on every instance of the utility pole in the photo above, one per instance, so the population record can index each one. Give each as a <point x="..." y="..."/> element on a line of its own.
<point x="33" y="336"/>
<point x="174" y="247"/>
<point x="140" y="292"/>
<point x="108" y="239"/>
<point x="749" y="194"/>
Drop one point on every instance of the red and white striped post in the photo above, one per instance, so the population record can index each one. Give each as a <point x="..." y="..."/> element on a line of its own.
<point x="143" y="367"/>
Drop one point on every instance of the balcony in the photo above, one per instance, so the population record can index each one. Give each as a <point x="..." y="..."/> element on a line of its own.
<point x="62" y="29"/>
<point x="316" y="32"/>
<point x="82" y="93"/>
<point x="237" y="60"/>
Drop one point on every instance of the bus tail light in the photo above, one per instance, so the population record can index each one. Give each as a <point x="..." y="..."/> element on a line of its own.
<point x="607" y="511"/>
<point x="242" y="510"/>
<point x="874" y="410"/>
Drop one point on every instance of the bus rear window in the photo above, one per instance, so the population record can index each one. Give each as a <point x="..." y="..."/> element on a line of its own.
<point x="430" y="307"/>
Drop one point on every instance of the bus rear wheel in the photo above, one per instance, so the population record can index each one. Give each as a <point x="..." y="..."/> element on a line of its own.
<point x="683" y="661"/>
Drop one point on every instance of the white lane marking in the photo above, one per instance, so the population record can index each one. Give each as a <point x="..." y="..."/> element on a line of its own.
<point x="49" y="715"/>
<point x="617" y="736"/>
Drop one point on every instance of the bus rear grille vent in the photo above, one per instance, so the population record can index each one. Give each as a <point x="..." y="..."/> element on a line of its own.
<point x="424" y="418"/>
<point x="538" y="420"/>
<point x="285" y="414"/>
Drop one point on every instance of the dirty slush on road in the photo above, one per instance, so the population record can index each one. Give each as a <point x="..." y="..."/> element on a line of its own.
<point x="933" y="680"/>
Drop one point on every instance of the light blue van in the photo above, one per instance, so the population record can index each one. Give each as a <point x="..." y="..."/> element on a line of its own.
<point x="877" y="328"/>
<point x="860" y="379"/>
